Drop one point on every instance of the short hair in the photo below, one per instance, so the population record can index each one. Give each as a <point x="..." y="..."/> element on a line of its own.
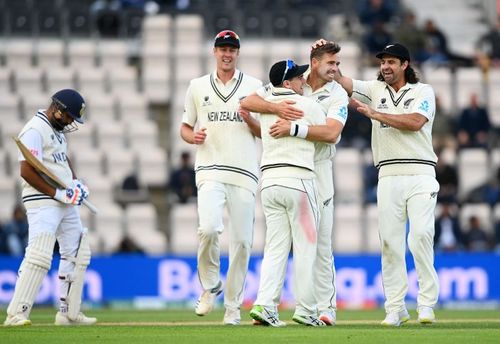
<point x="327" y="48"/>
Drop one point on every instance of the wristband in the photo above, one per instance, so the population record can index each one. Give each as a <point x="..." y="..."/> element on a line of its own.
<point x="302" y="132"/>
<point x="299" y="130"/>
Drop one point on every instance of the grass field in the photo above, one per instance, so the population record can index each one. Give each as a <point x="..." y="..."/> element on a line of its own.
<point x="177" y="326"/>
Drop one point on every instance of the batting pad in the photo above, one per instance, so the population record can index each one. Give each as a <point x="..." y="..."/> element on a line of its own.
<point x="76" y="279"/>
<point x="36" y="263"/>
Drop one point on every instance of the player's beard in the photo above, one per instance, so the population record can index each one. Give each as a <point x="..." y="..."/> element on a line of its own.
<point x="58" y="125"/>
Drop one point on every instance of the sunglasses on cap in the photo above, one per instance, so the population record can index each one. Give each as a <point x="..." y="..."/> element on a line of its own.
<point x="229" y="33"/>
<point x="289" y="66"/>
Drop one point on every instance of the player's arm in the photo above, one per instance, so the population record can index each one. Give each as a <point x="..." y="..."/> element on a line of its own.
<point x="328" y="132"/>
<point x="189" y="119"/>
<point x="253" y="123"/>
<point x="283" y="109"/>
<point x="191" y="136"/>
<point x="411" y="121"/>
<point x="31" y="176"/>
<point x="33" y="141"/>
<point x="345" y="82"/>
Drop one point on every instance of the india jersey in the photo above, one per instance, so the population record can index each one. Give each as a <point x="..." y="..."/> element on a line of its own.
<point x="229" y="153"/>
<point x="53" y="156"/>
<point x="400" y="152"/>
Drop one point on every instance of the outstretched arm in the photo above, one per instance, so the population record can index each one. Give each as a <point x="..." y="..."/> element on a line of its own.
<point x="411" y="121"/>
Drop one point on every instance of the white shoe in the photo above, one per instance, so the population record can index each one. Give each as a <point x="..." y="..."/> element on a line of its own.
<point x="206" y="301"/>
<point x="17" y="320"/>
<point x="266" y="316"/>
<point x="396" y="318"/>
<point x="308" y="320"/>
<point x="63" y="320"/>
<point x="232" y="316"/>
<point x="329" y="317"/>
<point x="426" y="315"/>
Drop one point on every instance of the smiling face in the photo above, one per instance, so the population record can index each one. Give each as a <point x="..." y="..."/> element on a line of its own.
<point x="226" y="57"/>
<point x="393" y="71"/>
<point x="326" y="66"/>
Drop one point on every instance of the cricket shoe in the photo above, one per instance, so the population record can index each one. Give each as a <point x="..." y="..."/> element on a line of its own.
<point x="426" y="315"/>
<point x="266" y="316"/>
<point x="206" y="301"/>
<point x="17" y="320"/>
<point x="396" y="318"/>
<point x="63" y="320"/>
<point x="232" y="316"/>
<point x="328" y="317"/>
<point x="308" y="320"/>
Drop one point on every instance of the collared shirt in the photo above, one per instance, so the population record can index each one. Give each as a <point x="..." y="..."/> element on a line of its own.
<point x="395" y="151"/>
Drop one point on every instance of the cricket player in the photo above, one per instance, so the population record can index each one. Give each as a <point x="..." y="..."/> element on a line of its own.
<point x="52" y="214"/>
<point x="320" y="87"/>
<point x="402" y="112"/>
<point x="226" y="173"/>
<point x="289" y="199"/>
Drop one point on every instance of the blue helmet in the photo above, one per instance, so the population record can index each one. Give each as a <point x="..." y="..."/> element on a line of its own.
<point x="72" y="102"/>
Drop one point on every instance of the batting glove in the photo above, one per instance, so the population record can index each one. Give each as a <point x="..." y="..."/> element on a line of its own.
<point x="83" y="186"/>
<point x="72" y="195"/>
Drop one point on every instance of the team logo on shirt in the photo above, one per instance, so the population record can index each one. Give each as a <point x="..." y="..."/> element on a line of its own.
<point x="206" y="101"/>
<point x="407" y="102"/>
<point x="382" y="105"/>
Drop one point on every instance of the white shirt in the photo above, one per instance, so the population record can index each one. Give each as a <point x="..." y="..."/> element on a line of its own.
<point x="400" y="152"/>
<point x="229" y="153"/>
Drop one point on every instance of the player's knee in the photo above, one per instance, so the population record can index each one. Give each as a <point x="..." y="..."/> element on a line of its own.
<point x="208" y="232"/>
<point x="39" y="252"/>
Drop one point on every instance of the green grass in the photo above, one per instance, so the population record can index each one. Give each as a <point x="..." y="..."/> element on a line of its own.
<point x="182" y="326"/>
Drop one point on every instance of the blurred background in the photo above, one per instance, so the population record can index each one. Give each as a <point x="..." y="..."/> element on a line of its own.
<point x="132" y="61"/>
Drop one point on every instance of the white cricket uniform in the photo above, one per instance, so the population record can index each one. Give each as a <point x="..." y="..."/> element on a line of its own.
<point x="333" y="100"/>
<point x="45" y="214"/>
<point x="407" y="189"/>
<point x="226" y="175"/>
<point x="289" y="200"/>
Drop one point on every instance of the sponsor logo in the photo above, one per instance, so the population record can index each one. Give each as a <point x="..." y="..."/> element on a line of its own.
<point x="382" y="105"/>
<point x="424" y="106"/>
<point x="206" y="101"/>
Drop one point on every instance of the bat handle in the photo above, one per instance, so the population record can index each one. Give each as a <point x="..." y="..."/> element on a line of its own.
<point x="89" y="205"/>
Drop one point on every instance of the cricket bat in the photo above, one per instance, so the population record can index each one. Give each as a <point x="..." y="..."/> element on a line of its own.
<point x="40" y="167"/>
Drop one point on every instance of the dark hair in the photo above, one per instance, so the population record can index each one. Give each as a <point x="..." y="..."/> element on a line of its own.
<point x="327" y="48"/>
<point x="410" y="74"/>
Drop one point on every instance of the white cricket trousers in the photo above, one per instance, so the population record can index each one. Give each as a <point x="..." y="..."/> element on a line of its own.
<point x="324" y="269"/>
<point x="65" y="223"/>
<point x="240" y="203"/>
<point x="402" y="198"/>
<point x="291" y="212"/>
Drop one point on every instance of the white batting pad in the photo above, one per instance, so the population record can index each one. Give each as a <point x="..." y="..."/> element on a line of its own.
<point x="36" y="263"/>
